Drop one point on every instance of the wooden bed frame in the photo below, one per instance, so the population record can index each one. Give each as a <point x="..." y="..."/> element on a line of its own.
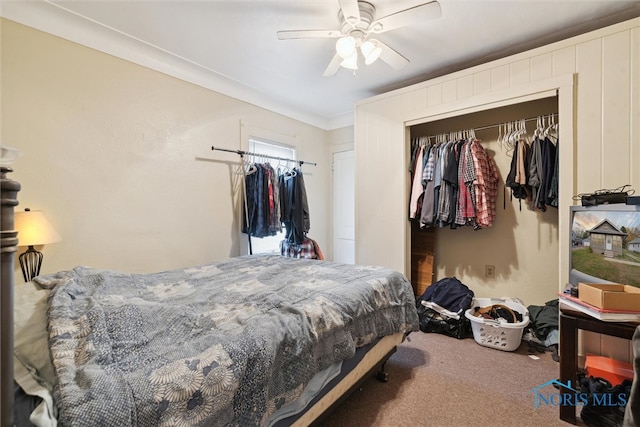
<point x="8" y="247"/>
<point x="372" y="362"/>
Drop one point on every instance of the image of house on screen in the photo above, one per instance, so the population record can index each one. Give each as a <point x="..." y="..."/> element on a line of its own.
<point x="606" y="239"/>
<point x="634" y="245"/>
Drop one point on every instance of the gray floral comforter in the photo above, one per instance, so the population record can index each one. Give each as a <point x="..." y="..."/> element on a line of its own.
<point x="220" y="344"/>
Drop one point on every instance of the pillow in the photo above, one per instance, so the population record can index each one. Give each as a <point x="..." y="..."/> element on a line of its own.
<point x="31" y="346"/>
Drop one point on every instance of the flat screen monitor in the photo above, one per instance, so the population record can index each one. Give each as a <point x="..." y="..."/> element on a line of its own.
<point x="605" y="244"/>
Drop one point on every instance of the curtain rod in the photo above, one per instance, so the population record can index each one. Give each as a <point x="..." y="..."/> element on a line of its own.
<point x="530" y="119"/>
<point x="242" y="153"/>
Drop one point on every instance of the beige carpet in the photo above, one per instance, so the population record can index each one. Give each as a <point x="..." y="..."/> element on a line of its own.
<point x="436" y="380"/>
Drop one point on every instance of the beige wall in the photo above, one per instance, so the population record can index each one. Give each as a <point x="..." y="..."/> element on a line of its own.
<point x="118" y="156"/>
<point x="597" y="79"/>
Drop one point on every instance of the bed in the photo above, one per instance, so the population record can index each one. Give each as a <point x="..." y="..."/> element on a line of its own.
<point x="259" y="340"/>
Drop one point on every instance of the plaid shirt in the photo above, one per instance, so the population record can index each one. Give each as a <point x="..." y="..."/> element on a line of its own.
<point x="464" y="205"/>
<point x="306" y="249"/>
<point x="468" y="177"/>
<point x="485" y="186"/>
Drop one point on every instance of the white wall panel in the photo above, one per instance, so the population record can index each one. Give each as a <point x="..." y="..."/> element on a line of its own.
<point x="465" y="87"/>
<point x="481" y="82"/>
<point x="449" y="91"/>
<point x="519" y="72"/>
<point x="420" y="99"/>
<point x="541" y="67"/>
<point x="634" y="109"/>
<point x="380" y="195"/>
<point x="564" y="61"/>
<point x="589" y="116"/>
<point x="616" y="87"/>
<point x="500" y="78"/>
<point x="434" y="95"/>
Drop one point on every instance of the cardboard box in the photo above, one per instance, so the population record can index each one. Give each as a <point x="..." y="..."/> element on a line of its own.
<point x="610" y="296"/>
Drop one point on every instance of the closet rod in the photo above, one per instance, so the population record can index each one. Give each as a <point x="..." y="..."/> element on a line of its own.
<point x="530" y="119"/>
<point x="242" y="153"/>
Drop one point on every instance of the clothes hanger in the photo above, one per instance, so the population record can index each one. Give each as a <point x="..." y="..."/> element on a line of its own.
<point x="523" y="129"/>
<point x="551" y="126"/>
<point x="250" y="166"/>
<point x="510" y="134"/>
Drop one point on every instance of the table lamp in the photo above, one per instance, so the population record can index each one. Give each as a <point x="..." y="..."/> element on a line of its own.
<point x="33" y="229"/>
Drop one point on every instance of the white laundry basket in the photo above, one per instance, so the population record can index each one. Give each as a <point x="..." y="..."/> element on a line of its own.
<point x="491" y="333"/>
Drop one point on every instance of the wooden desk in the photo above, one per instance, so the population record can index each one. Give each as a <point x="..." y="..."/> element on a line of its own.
<point x="570" y="322"/>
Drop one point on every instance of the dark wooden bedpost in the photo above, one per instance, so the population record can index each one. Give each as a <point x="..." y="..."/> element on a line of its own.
<point x="8" y="246"/>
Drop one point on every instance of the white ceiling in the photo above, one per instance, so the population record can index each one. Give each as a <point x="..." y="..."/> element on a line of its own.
<point x="232" y="47"/>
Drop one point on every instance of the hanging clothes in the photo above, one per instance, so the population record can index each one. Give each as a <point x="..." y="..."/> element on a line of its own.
<point x="457" y="183"/>
<point x="552" y="197"/>
<point x="427" y="213"/>
<point x="261" y="218"/>
<point x="485" y="185"/>
<point x="417" y="189"/>
<point x="293" y="206"/>
<point x="518" y="176"/>
<point x="541" y="170"/>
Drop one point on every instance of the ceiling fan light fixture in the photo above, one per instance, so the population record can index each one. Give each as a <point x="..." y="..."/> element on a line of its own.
<point x="371" y="51"/>
<point x="346" y="46"/>
<point x="351" y="62"/>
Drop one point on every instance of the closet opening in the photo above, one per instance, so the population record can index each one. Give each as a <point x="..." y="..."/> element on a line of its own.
<point x="517" y="256"/>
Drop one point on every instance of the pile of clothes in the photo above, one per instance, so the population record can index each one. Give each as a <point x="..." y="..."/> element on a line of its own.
<point x="441" y="308"/>
<point x="498" y="312"/>
<point x="542" y="332"/>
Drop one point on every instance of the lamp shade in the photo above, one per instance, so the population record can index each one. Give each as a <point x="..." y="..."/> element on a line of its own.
<point x="371" y="51"/>
<point x="351" y="62"/>
<point x="345" y="46"/>
<point x="34" y="229"/>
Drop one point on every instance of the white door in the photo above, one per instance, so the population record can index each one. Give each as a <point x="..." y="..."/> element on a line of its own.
<point x="343" y="207"/>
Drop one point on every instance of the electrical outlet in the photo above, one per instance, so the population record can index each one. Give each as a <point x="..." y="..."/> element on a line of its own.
<point x="490" y="271"/>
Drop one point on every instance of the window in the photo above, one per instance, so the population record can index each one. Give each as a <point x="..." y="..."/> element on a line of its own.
<point x="269" y="244"/>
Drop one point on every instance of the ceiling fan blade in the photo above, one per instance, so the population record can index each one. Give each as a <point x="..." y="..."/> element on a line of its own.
<point x="350" y="11"/>
<point x="308" y="34"/>
<point x="333" y="67"/>
<point x="392" y="57"/>
<point x="414" y="15"/>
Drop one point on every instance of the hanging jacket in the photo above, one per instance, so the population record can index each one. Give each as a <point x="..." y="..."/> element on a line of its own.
<point x="517" y="178"/>
<point x="552" y="196"/>
<point x="294" y="207"/>
<point x="548" y="169"/>
<point x="535" y="174"/>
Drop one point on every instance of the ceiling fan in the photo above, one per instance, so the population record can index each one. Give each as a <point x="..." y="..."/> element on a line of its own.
<point x="358" y="28"/>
